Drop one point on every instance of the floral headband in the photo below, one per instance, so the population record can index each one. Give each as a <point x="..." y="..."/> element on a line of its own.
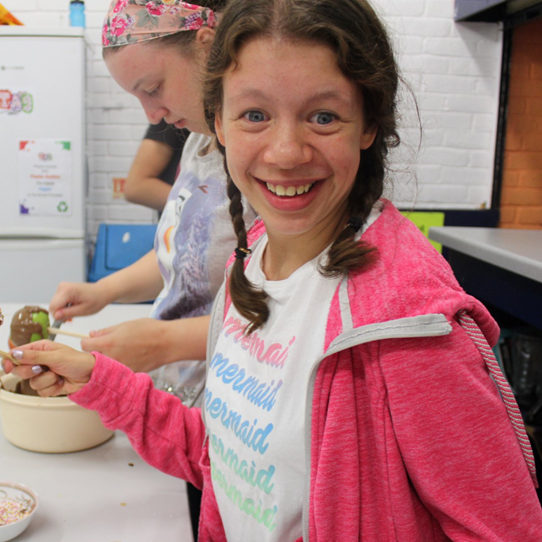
<point x="131" y="21"/>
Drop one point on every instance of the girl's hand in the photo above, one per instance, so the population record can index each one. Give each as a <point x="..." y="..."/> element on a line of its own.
<point x="145" y="344"/>
<point x="139" y="344"/>
<point x="77" y="299"/>
<point x="53" y="369"/>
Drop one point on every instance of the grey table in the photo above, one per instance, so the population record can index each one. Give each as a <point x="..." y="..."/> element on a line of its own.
<point x="502" y="267"/>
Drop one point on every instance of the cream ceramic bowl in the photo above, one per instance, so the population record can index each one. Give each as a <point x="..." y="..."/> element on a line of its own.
<point x="22" y="496"/>
<point x="48" y="424"/>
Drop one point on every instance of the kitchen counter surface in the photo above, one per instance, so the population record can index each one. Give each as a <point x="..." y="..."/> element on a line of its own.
<point x="518" y="251"/>
<point x="500" y="267"/>
<point x="106" y="494"/>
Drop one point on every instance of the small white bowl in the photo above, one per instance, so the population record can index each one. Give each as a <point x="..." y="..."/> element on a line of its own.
<point x="48" y="424"/>
<point x="20" y="494"/>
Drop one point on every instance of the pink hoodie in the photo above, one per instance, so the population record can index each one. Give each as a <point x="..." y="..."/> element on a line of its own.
<point x="408" y="437"/>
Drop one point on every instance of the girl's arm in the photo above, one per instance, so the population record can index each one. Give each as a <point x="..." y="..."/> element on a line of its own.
<point x="146" y="344"/>
<point x="142" y="184"/>
<point x="164" y="432"/>
<point x="141" y="281"/>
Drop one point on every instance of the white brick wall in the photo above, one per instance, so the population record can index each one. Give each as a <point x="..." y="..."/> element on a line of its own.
<point x="453" y="69"/>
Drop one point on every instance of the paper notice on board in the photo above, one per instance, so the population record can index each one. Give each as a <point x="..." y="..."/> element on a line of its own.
<point x="45" y="177"/>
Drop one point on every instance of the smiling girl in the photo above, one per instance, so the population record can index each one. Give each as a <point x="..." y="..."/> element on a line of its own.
<point x="351" y="392"/>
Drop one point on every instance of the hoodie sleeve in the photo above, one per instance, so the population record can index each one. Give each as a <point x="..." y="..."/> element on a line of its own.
<point x="455" y="437"/>
<point x="164" y="432"/>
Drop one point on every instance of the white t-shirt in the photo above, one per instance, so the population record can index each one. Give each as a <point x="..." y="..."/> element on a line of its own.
<point x="255" y="400"/>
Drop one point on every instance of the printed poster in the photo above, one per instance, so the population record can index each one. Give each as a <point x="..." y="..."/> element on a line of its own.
<point x="45" y="177"/>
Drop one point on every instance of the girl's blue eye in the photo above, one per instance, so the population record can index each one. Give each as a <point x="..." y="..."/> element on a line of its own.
<point x="324" y="118"/>
<point x="254" y="116"/>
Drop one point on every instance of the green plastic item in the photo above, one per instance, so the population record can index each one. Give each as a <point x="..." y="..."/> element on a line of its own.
<point x="425" y="220"/>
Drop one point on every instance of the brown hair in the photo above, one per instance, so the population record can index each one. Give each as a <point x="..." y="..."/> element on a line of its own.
<point x="183" y="40"/>
<point x="354" y="32"/>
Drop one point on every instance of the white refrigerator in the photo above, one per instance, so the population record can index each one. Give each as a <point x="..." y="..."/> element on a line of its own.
<point x="42" y="161"/>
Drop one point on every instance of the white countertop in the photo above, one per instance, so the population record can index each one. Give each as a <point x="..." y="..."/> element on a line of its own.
<point x="519" y="251"/>
<point x="96" y="495"/>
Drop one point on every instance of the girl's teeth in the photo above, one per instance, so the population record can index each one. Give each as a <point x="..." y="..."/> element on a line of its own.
<point x="281" y="190"/>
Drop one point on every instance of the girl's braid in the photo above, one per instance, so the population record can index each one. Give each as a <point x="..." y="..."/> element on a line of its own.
<point x="248" y="300"/>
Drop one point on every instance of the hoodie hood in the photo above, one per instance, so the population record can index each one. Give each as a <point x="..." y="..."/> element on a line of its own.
<point x="408" y="278"/>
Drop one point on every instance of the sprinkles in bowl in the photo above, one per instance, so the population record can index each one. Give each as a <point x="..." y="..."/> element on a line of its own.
<point x="18" y="504"/>
<point x="11" y="511"/>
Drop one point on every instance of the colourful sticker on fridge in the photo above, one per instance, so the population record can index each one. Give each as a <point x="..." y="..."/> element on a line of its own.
<point x="16" y="102"/>
<point x="45" y="173"/>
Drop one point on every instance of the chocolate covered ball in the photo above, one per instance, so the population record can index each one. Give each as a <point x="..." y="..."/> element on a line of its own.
<point x="28" y="325"/>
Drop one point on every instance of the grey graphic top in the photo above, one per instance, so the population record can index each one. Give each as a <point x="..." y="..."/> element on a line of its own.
<point x="195" y="236"/>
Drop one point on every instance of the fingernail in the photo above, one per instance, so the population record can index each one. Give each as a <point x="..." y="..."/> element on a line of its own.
<point x="60" y="382"/>
<point x="17" y="354"/>
<point x="36" y="369"/>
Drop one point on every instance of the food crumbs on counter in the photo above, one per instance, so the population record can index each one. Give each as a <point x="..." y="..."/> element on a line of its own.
<point x="130" y="464"/>
<point x="10" y="512"/>
<point x="123" y="504"/>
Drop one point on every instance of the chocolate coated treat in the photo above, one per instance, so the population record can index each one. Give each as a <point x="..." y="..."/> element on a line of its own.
<point x="1" y="317"/>
<point x="28" y="325"/>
